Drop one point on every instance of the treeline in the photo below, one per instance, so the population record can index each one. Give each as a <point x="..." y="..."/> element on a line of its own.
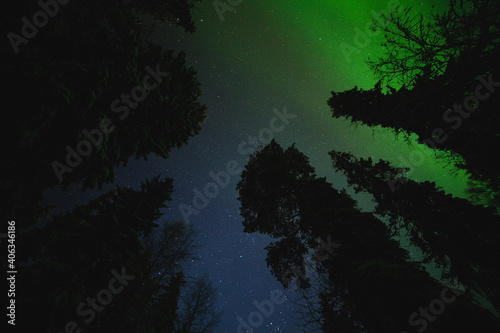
<point x="446" y="69"/>
<point x="87" y="91"/>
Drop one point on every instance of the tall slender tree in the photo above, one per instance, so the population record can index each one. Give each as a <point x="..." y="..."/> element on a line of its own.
<point x="75" y="82"/>
<point x="459" y="237"/>
<point x="73" y="255"/>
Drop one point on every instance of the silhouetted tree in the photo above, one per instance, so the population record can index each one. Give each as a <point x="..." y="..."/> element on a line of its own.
<point x="197" y="313"/>
<point x="281" y="196"/>
<point x="75" y="75"/>
<point x="71" y="257"/>
<point x="440" y="62"/>
<point x="460" y="238"/>
<point x="169" y="249"/>
<point x="417" y="47"/>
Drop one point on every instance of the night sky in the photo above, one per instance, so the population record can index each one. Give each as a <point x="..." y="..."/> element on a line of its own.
<point x="267" y="55"/>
